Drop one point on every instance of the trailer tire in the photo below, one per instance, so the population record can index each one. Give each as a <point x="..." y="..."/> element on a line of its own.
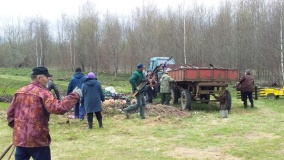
<point x="228" y="101"/>
<point x="174" y="96"/>
<point x="185" y="99"/>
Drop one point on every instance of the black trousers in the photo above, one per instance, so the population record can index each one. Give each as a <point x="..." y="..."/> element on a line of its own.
<point x="91" y="115"/>
<point x="246" y="95"/>
<point x="150" y="94"/>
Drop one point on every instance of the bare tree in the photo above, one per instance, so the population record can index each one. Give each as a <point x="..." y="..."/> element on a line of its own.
<point x="112" y="42"/>
<point x="87" y="37"/>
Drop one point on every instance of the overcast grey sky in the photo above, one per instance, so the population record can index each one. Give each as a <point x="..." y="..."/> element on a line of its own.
<point x="53" y="9"/>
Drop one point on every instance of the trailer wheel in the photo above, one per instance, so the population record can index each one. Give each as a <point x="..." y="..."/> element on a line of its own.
<point x="174" y="96"/>
<point x="227" y="104"/>
<point x="185" y="99"/>
<point x="270" y="96"/>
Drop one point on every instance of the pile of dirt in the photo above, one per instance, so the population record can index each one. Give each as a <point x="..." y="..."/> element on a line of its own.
<point x="165" y="111"/>
<point x="111" y="108"/>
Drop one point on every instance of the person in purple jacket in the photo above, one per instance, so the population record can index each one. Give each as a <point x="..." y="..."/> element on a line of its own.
<point x="28" y="115"/>
<point x="92" y="99"/>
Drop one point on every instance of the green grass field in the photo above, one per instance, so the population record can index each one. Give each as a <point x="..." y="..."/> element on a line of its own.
<point x="246" y="134"/>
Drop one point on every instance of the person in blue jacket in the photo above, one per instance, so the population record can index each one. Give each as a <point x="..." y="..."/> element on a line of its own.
<point x="77" y="81"/>
<point x="92" y="99"/>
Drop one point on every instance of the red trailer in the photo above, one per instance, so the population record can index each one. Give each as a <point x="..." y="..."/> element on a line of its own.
<point x="201" y="83"/>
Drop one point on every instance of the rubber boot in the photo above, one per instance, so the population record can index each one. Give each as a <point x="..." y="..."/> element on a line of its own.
<point x="90" y="123"/>
<point x="129" y="108"/>
<point x="125" y="111"/>
<point x="100" y="123"/>
<point x="142" y="110"/>
<point x="251" y="105"/>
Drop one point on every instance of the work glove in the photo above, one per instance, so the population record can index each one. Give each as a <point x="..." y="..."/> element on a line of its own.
<point x="78" y="91"/>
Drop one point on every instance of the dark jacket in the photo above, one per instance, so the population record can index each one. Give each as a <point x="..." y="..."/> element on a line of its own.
<point x="247" y="83"/>
<point x="136" y="78"/>
<point x="50" y="86"/>
<point x="93" y="95"/>
<point x="76" y="81"/>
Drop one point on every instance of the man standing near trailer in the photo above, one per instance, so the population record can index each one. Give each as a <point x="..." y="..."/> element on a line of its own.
<point x="246" y="87"/>
<point x="165" y="89"/>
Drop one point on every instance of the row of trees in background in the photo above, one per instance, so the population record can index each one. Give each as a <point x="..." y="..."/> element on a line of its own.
<point x="241" y="34"/>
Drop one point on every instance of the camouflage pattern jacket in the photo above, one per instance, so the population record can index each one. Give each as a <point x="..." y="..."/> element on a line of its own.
<point x="165" y="83"/>
<point x="28" y="114"/>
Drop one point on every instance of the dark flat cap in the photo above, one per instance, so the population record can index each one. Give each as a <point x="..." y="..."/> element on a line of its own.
<point x="140" y="66"/>
<point x="40" y="71"/>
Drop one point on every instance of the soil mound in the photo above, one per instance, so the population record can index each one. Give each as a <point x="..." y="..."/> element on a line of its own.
<point x="113" y="107"/>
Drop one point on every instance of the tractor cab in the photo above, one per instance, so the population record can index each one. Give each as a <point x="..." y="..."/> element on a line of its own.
<point x="157" y="61"/>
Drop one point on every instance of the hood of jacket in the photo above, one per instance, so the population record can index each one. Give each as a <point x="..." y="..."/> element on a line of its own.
<point x="78" y="75"/>
<point x="90" y="82"/>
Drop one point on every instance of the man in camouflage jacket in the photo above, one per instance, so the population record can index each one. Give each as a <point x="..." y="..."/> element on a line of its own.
<point x="28" y="115"/>
<point x="165" y="88"/>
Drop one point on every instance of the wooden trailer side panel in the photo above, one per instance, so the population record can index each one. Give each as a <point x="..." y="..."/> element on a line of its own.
<point x="204" y="74"/>
<point x="233" y="75"/>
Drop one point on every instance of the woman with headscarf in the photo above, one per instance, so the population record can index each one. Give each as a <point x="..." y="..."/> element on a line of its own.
<point x="92" y="99"/>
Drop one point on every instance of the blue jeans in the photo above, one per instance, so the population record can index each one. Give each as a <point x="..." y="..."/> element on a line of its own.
<point x="140" y="105"/>
<point x="81" y="112"/>
<point x="140" y="99"/>
<point x="37" y="153"/>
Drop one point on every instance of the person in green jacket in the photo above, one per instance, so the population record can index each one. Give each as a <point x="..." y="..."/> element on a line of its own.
<point x="165" y="89"/>
<point x="136" y="78"/>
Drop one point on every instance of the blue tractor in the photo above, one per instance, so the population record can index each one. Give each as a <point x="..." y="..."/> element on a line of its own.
<point x="160" y="61"/>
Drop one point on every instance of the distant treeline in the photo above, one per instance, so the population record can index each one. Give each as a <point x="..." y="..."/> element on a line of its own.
<point x="240" y="34"/>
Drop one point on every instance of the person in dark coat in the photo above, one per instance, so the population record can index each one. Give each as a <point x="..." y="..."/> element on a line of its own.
<point x="92" y="99"/>
<point x="246" y="87"/>
<point x="150" y="88"/>
<point x="77" y="81"/>
<point x="52" y="86"/>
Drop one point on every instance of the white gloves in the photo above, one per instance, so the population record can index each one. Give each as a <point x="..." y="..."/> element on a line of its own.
<point x="78" y="91"/>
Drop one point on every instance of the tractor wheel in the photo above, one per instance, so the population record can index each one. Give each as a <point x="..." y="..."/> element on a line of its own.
<point x="270" y="96"/>
<point x="185" y="99"/>
<point x="228" y="101"/>
<point x="174" y="96"/>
